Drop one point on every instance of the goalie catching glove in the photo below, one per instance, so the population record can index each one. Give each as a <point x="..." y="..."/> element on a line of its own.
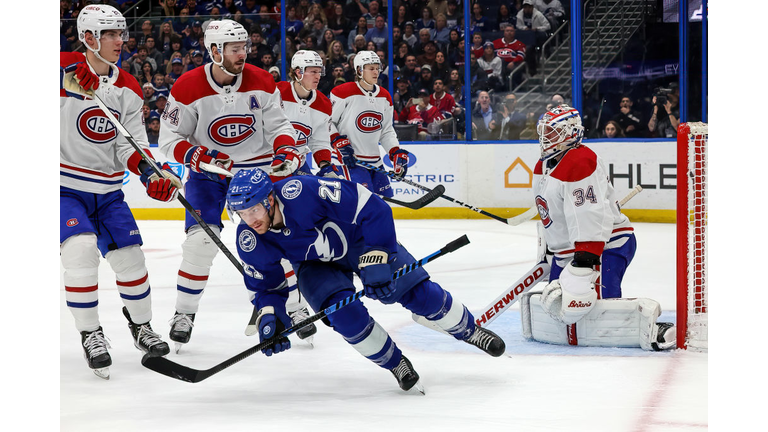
<point x="572" y="296"/>
<point x="376" y="274"/>
<point x="162" y="189"/>
<point x="399" y="158"/>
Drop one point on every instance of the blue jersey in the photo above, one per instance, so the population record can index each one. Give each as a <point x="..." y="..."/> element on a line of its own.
<point x="327" y="220"/>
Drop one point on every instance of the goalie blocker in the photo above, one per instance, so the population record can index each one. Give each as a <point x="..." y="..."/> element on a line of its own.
<point x="617" y="322"/>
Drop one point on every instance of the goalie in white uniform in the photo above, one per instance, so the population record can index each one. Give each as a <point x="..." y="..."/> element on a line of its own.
<point x="592" y="242"/>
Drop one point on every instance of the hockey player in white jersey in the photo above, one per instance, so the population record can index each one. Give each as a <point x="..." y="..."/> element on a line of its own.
<point x="94" y="218"/>
<point x="592" y="242"/>
<point x="362" y="119"/>
<point x="227" y="113"/>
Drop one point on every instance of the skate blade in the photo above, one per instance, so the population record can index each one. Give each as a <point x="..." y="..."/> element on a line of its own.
<point x="417" y="389"/>
<point x="177" y="347"/>
<point x="310" y="341"/>
<point x="102" y="373"/>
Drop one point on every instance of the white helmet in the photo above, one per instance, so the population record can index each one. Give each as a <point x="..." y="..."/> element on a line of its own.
<point x="363" y="58"/>
<point x="96" y="18"/>
<point x="559" y="129"/>
<point x="221" y="32"/>
<point x="303" y="59"/>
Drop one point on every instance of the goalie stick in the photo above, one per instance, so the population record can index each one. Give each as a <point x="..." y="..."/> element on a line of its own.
<point x="510" y="296"/>
<point x="509" y="221"/>
<point x="172" y="369"/>
<point x="157" y="171"/>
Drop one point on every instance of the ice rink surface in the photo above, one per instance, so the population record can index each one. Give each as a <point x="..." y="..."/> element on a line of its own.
<point x="533" y="387"/>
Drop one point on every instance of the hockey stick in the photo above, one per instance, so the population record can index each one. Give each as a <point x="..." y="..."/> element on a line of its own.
<point x="421" y="202"/>
<point x="180" y="372"/>
<point x="510" y="296"/>
<point x="509" y="221"/>
<point x="157" y="171"/>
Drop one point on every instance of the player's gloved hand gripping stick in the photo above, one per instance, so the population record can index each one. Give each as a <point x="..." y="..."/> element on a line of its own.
<point x="172" y="369"/>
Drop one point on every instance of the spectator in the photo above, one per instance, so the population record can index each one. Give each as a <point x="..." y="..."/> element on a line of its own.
<point x="455" y="83"/>
<point x="613" y="130"/>
<point x="410" y="71"/>
<point x="426" y="20"/>
<point x="397" y="36"/>
<point x="177" y="25"/>
<point x="665" y="118"/>
<point x="456" y="55"/>
<point x="477" y="48"/>
<point x="492" y="65"/>
<point x="408" y="34"/>
<point x="317" y="29"/>
<point x="158" y="83"/>
<point x="177" y="68"/>
<point x="145" y="112"/>
<point x="437" y="7"/>
<point x="327" y="39"/>
<point x="505" y="17"/>
<point x="175" y="47"/>
<point x="160" y="102"/>
<point x="336" y="70"/>
<point x="402" y="95"/>
<point x="339" y="24"/>
<point x="137" y="62"/>
<point x="230" y="10"/>
<point x="192" y="36"/>
<point x="335" y="53"/>
<point x="270" y="27"/>
<point x="425" y="37"/>
<point x="553" y="10"/>
<point x="513" y="121"/>
<point x="361" y="29"/>
<point x="153" y="129"/>
<point x="153" y="53"/>
<point x="355" y="9"/>
<point x="370" y="46"/>
<point x="628" y="119"/>
<point x="441" y="100"/>
<point x="529" y="18"/>
<point x="267" y="60"/>
<point x="479" y="21"/>
<point x="148" y="92"/>
<point x="430" y="54"/>
<point x="359" y="44"/>
<point x="414" y="111"/>
<point x="440" y="68"/>
<point x="441" y="33"/>
<point x="129" y="49"/>
<point x="530" y="133"/>
<point x="315" y="12"/>
<point x="373" y="12"/>
<point x="259" y="47"/>
<point x="454" y="37"/>
<point x="477" y="75"/>
<point x="147" y="30"/>
<point x="512" y="52"/>
<point x="275" y="71"/>
<point x="302" y="10"/>
<point x="195" y="60"/>
<point x="452" y="14"/>
<point x="146" y="74"/>
<point x="290" y="47"/>
<point x="378" y="34"/>
<point x="293" y="25"/>
<point x="349" y="69"/>
<point x="485" y="122"/>
<point x="425" y="81"/>
<point x="330" y="10"/>
<point x="309" y="43"/>
<point x="401" y="17"/>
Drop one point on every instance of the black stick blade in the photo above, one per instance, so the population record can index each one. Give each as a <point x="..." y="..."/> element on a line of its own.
<point x="171" y="369"/>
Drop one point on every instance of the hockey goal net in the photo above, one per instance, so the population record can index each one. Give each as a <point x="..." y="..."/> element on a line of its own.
<point x="692" y="308"/>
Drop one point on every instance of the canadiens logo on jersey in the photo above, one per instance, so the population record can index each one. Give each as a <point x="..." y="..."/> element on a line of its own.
<point x="95" y="127"/>
<point x="72" y="222"/>
<point x="541" y="205"/>
<point x="232" y="129"/>
<point x="303" y="132"/>
<point x="369" y="121"/>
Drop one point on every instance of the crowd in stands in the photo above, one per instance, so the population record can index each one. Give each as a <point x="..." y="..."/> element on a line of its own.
<point x="427" y="64"/>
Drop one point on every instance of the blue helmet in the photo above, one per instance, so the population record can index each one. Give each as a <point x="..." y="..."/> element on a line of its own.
<point x="248" y="188"/>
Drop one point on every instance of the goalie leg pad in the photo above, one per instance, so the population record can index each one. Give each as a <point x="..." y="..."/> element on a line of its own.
<point x="198" y="252"/>
<point x="80" y="259"/>
<point x="132" y="281"/>
<point x="622" y="323"/>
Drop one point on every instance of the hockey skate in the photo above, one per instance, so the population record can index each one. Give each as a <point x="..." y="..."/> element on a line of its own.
<point x="145" y="339"/>
<point x="666" y="336"/>
<point x="305" y="333"/>
<point x="407" y="377"/>
<point x="487" y="341"/>
<point x="95" y="349"/>
<point x="181" y="329"/>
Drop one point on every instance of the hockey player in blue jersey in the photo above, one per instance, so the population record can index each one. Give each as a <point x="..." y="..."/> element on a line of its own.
<point x="331" y="229"/>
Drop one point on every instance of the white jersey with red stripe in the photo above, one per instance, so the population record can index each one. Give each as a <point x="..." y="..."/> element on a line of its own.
<point x="245" y="120"/>
<point x="577" y="203"/>
<point x="311" y="120"/>
<point x="365" y="117"/>
<point x="93" y="154"/>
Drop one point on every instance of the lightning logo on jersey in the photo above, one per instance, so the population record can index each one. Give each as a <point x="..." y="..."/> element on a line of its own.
<point x="231" y="130"/>
<point x="95" y="127"/>
<point x="325" y="242"/>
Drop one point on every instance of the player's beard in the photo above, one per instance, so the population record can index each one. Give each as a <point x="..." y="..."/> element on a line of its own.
<point x="233" y="67"/>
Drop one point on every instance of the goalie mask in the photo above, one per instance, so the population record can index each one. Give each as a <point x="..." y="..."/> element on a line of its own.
<point x="220" y="33"/>
<point x="559" y="129"/>
<point x="96" y="19"/>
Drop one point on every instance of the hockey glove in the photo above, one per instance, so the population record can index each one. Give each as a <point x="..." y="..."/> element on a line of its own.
<point x="198" y="155"/>
<point x="376" y="274"/>
<point x="330" y="170"/>
<point x="162" y="189"/>
<point x="342" y="144"/>
<point x="270" y="326"/>
<point x="286" y="161"/>
<point x="399" y="158"/>
<point x="87" y="79"/>
<point x="572" y="296"/>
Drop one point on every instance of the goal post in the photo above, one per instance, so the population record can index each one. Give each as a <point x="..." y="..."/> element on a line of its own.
<point x="692" y="201"/>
